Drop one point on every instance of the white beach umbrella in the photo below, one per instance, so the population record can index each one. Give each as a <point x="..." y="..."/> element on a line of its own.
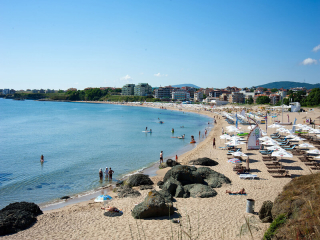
<point x="276" y="148"/>
<point x="281" y="154"/>
<point x="306" y="145"/>
<point x="234" y="143"/>
<point x="314" y="151"/>
<point x="239" y="154"/>
<point x="264" y="133"/>
<point x="270" y="142"/>
<point x="225" y="136"/>
<point x="274" y="126"/>
<point x="298" y="139"/>
<point x="251" y="127"/>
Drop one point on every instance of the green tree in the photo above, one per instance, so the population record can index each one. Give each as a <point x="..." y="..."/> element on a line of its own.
<point x="274" y="90"/>
<point x="265" y="89"/>
<point x="313" y="99"/>
<point x="249" y="100"/>
<point x="263" y="100"/>
<point x="286" y="101"/>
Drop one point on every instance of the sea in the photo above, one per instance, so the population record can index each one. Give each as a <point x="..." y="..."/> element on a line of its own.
<point x="77" y="139"/>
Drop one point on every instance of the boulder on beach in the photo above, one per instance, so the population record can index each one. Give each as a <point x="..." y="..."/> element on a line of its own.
<point x="213" y="178"/>
<point x="265" y="214"/>
<point x="185" y="181"/>
<point x="138" y="180"/>
<point x="184" y="174"/>
<point x="160" y="184"/>
<point x="168" y="163"/>
<point x="18" y="216"/>
<point x="127" y="191"/>
<point x="200" y="190"/>
<point x="65" y="197"/>
<point x="204" y="162"/>
<point x="154" y="205"/>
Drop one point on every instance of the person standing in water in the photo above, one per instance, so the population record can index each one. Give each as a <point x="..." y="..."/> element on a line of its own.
<point x="161" y="157"/>
<point x="106" y="172"/>
<point x="100" y="174"/>
<point x="110" y="173"/>
<point x="146" y="128"/>
<point x="41" y="158"/>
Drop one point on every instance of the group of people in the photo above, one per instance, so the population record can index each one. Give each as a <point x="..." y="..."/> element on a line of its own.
<point x="108" y="173"/>
<point x="161" y="157"/>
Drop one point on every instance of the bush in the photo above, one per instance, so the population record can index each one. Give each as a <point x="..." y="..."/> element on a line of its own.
<point x="273" y="227"/>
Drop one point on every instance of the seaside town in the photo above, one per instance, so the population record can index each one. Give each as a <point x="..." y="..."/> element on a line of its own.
<point x="186" y="94"/>
<point x="161" y="120"/>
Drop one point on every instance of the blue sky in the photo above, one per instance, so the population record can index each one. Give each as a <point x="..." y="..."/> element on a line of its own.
<point x="63" y="44"/>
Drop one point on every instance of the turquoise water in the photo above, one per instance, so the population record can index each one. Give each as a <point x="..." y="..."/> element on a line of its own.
<point x="77" y="139"/>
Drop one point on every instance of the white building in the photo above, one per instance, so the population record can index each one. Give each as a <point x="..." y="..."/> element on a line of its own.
<point x="181" y="95"/>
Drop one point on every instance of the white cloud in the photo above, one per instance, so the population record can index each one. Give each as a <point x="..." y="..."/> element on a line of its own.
<point x="160" y="75"/>
<point x="316" y="49"/>
<point x="309" y="61"/>
<point x="126" y="77"/>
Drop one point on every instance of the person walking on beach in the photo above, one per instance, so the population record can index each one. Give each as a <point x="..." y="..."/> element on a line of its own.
<point x="161" y="157"/>
<point x="110" y="173"/>
<point x="100" y="174"/>
<point x="106" y="172"/>
<point x="205" y="132"/>
<point x="214" y="143"/>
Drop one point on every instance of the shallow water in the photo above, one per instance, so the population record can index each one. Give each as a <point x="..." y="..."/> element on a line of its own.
<point x="77" y="139"/>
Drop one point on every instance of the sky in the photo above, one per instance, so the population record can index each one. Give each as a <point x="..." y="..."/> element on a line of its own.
<point x="63" y="44"/>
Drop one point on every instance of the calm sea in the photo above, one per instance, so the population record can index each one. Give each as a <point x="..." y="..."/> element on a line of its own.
<point x="77" y="139"/>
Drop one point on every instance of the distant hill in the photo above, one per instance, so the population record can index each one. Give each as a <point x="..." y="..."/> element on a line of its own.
<point x="185" y="85"/>
<point x="288" y="84"/>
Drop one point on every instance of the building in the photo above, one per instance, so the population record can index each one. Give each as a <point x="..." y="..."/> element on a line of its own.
<point x="215" y="93"/>
<point x="164" y="92"/>
<point x="50" y="91"/>
<point x="180" y="94"/>
<point x="128" y="89"/>
<point x="143" y="89"/>
<point x="236" y="97"/>
<point x="6" y="91"/>
<point x="198" y="96"/>
<point x="274" y="98"/>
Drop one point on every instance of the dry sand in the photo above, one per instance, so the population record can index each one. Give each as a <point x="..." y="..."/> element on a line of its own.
<point x="220" y="217"/>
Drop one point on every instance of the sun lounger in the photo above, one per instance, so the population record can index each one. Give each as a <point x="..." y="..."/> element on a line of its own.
<point x="281" y="176"/>
<point x="274" y="167"/>
<point x="248" y="176"/>
<point x="280" y="171"/>
<point x="315" y="168"/>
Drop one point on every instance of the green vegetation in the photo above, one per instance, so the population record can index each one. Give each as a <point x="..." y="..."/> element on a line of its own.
<point x="281" y="219"/>
<point x="299" y="203"/>
<point x="249" y="101"/>
<point x="273" y="90"/>
<point x="263" y="100"/>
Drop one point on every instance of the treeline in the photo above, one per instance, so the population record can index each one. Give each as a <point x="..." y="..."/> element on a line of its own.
<point x="92" y="94"/>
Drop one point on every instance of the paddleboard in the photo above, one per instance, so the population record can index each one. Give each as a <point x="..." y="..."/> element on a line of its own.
<point x="147" y="131"/>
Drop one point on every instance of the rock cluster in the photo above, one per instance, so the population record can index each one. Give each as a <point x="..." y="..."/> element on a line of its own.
<point x="185" y="181"/>
<point x="168" y="163"/>
<point x="204" y="162"/>
<point x="18" y="216"/>
<point x="265" y="214"/>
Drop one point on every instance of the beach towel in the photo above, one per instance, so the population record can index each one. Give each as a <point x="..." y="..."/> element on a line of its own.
<point x="237" y="194"/>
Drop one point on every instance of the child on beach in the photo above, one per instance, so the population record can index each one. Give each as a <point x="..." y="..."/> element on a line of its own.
<point x="176" y="158"/>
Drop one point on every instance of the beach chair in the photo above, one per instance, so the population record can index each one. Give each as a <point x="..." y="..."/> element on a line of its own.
<point x="282" y="175"/>
<point x="291" y="148"/>
<point x="248" y="176"/>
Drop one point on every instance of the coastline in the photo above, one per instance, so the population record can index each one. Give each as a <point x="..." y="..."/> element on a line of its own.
<point x="220" y="217"/>
<point x="151" y="169"/>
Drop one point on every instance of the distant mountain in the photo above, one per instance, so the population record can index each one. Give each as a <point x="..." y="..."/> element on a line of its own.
<point x="185" y="85"/>
<point x="288" y="84"/>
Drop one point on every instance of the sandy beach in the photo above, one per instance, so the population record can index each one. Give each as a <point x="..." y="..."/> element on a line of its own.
<point x="220" y="217"/>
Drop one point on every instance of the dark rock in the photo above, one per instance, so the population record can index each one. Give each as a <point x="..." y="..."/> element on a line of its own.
<point x="138" y="180"/>
<point x="113" y="214"/>
<point x="184" y="174"/>
<point x="212" y="178"/>
<point x="171" y="185"/>
<point x="145" y="187"/>
<point x="65" y="197"/>
<point x="167" y="196"/>
<point x="160" y="184"/>
<point x="118" y="184"/>
<point x="18" y="216"/>
<point x="154" y="205"/>
<point x="171" y="163"/>
<point x="128" y="192"/>
<point x="180" y="193"/>
<point x="200" y="190"/>
<point x="267" y="219"/>
<point x="265" y="211"/>
<point x="204" y="162"/>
